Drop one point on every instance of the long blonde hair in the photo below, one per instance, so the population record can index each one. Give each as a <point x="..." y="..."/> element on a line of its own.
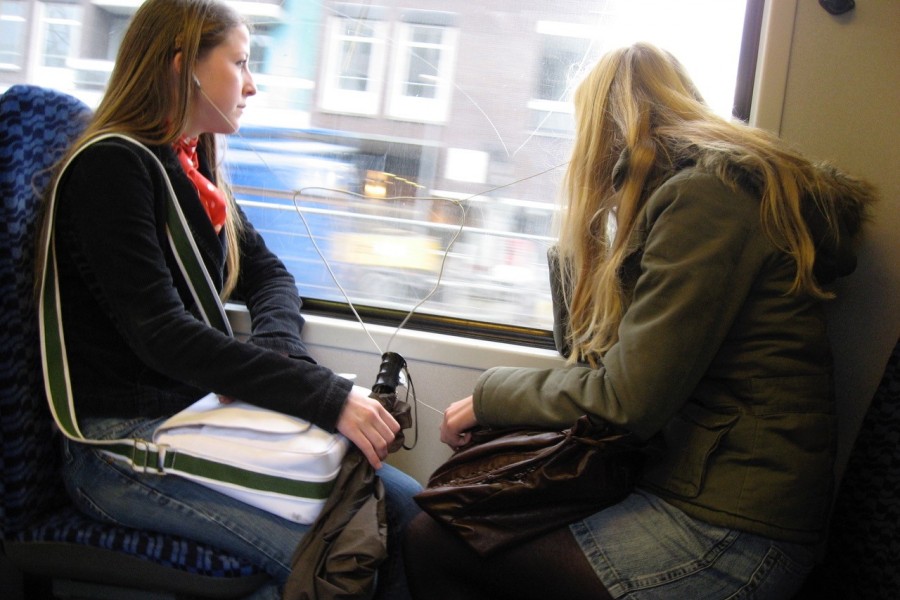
<point x="639" y="116"/>
<point x="144" y="100"/>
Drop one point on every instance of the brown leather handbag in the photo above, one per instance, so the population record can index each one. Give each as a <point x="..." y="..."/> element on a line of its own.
<point x="511" y="485"/>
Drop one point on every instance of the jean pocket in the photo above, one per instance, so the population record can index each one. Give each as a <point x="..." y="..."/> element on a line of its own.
<point x="89" y="507"/>
<point x="776" y="576"/>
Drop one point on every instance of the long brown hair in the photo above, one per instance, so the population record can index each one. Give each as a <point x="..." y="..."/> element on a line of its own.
<point x="147" y="102"/>
<point x="638" y="115"/>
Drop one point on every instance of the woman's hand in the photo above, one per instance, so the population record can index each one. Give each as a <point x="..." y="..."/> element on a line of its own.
<point x="366" y="423"/>
<point x="459" y="418"/>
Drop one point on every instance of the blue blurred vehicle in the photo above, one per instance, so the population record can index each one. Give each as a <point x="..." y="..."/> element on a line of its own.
<point x="277" y="174"/>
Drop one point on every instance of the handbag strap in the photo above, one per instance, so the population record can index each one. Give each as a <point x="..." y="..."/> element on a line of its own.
<point x="142" y="454"/>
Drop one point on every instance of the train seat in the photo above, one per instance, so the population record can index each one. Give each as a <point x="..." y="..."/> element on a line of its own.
<point x="59" y="550"/>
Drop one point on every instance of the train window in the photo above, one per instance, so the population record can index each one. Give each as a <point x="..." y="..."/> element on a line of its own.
<point x="399" y="154"/>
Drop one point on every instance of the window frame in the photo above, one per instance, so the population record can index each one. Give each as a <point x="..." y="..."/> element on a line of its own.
<point x="517" y="334"/>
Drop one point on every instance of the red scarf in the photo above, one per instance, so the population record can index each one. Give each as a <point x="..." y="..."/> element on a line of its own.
<point x="211" y="197"/>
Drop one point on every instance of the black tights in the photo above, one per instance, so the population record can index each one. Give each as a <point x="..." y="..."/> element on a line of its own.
<point x="439" y="566"/>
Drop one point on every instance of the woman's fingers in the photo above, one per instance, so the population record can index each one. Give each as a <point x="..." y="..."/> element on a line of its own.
<point x="366" y="423"/>
<point x="459" y="418"/>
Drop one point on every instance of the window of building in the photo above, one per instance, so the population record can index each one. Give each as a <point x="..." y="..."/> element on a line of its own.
<point x="60" y="34"/>
<point x="561" y="60"/>
<point x="423" y="65"/>
<point x="13" y="27"/>
<point x="353" y="75"/>
<point x="564" y="49"/>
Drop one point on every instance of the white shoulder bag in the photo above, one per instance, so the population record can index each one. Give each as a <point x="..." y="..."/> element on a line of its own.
<point x="267" y="459"/>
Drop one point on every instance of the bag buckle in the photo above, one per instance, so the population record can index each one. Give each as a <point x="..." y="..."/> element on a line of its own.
<point x="146" y="457"/>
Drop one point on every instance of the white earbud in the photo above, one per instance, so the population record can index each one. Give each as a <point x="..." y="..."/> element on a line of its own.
<point x="213" y="104"/>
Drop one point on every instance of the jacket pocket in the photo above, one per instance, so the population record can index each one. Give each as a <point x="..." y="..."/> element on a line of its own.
<point x="692" y="437"/>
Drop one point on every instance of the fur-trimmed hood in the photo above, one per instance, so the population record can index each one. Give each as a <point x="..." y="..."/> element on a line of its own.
<point x="848" y="199"/>
<point x="835" y="197"/>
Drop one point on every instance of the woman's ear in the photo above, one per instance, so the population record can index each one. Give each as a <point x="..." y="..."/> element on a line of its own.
<point x="177" y="62"/>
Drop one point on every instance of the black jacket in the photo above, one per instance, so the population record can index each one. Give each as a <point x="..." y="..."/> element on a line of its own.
<point x="136" y="346"/>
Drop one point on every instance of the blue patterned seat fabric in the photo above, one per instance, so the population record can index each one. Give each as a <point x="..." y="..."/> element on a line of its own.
<point x="36" y="126"/>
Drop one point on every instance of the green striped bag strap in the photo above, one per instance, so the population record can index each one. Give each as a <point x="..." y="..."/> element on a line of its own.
<point x="141" y="453"/>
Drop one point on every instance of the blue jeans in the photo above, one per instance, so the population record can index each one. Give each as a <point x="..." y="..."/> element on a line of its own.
<point x="113" y="492"/>
<point x="646" y="549"/>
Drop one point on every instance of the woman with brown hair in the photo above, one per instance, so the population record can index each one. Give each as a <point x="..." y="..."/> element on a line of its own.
<point x="696" y="255"/>
<point x="138" y="349"/>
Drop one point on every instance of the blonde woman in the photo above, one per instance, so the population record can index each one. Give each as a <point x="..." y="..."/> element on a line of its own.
<point x="138" y="351"/>
<point x="696" y="256"/>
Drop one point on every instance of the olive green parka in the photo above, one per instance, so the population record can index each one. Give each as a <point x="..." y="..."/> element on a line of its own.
<point x="716" y="358"/>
